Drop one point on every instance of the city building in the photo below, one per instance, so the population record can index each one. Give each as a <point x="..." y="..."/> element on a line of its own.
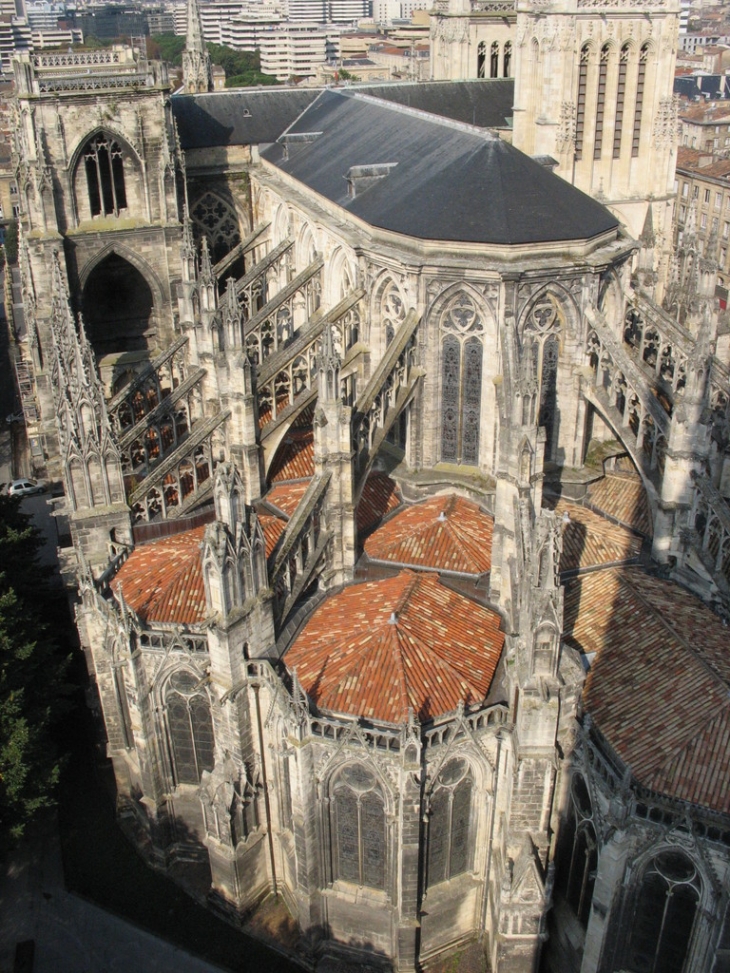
<point x="397" y="472"/>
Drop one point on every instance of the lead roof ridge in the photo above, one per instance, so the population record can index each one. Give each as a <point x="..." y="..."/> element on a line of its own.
<point x="418" y="113"/>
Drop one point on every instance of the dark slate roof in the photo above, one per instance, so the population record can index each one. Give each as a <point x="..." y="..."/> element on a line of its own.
<point x="220" y="118"/>
<point x="487" y="104"/>
<point x="444" y="181"/>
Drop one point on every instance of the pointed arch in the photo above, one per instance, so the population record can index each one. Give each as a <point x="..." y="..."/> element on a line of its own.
<point x="190" y="741"/>
<point x="100" y="167"/>
<point x="358" y="826"/>
<point x="219" y="220"/>
<point x="451" y="821"/>
<point x="388" y="311"/>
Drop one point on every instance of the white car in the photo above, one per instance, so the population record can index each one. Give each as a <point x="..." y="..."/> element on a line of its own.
<point x="26" y="488"/>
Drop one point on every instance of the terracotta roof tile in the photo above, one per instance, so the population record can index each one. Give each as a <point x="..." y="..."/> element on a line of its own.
<point x="657" y="691"/>
<point x="377" y="649"/>
<point x="443" y="533"/>
<point x="590" y="540"/>
<point x="379" y="497"/>
<point x="294" y="460"/>
<point x="287" y="496"/>
<point x="273" y="528"/>
<point x="163" y="581"/>
<point x="622" y="495"/>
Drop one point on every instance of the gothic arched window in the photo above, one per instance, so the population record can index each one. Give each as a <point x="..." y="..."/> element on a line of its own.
<point x="507" y="59"/>
<point x="449" y="845"/>
<point x="663" y="918"/>
<point x="461" y="380"/>
<point x="580" y="111"/>
<point x="359" y="828"/>
<point x="392" y="311"/>
<point x="541" y="343"/>
<point x="216" y="219"/>
<point x="623" y="65"/>
<point x="577" y="856"/>
<point x="494" y="61"/>
<point x="639" y="103"/>
<point x="104" y="163"/>
<point x="601" y="101"/>
<point x="190" y="726"/>
<point x="482" y="60"/>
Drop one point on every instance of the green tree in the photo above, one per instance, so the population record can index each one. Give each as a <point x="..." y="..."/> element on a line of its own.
<point x="33" y="689"/>
<point x="170" y="47"/>
<point x="11" y="242"/>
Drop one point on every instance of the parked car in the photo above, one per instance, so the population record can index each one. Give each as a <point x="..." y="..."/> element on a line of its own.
<point x="26" y="488"/>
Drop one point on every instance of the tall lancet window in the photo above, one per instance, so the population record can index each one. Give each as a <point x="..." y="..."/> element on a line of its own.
<point x="359" y="828"/>
<point x="104" y="163"/>
<point x="482" y="60"/>
<point x="462" y="327"/>
<point x="494" y="61"/>
<point x="541" y="340"/>
<point x="449" y="823"/>
<point x="623" y="65"/>
<point x="580" y="111"/>
<point x="664" y="915"/>
<point x="190" y="728"/>
<point x="639" y="103"/>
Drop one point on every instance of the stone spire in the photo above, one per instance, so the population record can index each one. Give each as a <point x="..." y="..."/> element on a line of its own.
<point x="197" y="72"/>
<point x="92" y="463"/>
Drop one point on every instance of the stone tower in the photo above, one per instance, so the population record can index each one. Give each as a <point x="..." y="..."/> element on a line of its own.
<point x="593" y="89"/>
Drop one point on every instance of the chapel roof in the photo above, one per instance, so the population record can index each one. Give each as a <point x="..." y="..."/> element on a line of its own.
<point x="163" y="581"/>
<point x="444" y="533"/>
<point x="657" y="688"/>
<point x="379" y="649"/>
<point x="429" y="177"/>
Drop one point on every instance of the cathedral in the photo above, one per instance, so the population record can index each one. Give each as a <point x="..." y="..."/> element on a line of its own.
<point x="395" y="447"/>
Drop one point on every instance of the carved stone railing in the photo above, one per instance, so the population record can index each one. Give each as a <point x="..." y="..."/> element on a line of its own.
<point x="274" y="324"/>
<point x="81" y="59"/>
<point x="710" y="519"/>
<point x="252" y="289"/>
<point x="179" y="475"/>
<point x="627" y="399"/>
<point x="240" y="250"/>
<point x="145" y="391"/>
<point x="300" y="552"/>
<point x="165" y="410"/>
<point x="286" y="374"/>
<point x="494" y="6"/>
<point x="384" y="397"/>
<point x="92" y="82"/>
<point x="659" y="345"/>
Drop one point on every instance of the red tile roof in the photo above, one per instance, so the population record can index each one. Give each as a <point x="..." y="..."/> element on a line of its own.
<point x="658" y="686"/>
<point x="287" y="496"/>
<point x="443" y="533"/>
<point x="163" y="581"/>
<point x="377" y="649"/>
<point x="590" y="540"/>
<point x="622" y="495"/>
<point x="273" y="528"/>
<point x="294" y="460"/>
<point x="379" y="497"/>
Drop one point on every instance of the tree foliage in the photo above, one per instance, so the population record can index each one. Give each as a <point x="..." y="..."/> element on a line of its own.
<point x="33" y="690"/>
<point x="242" y="68"/>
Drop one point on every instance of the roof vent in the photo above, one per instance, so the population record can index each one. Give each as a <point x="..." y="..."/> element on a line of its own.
<point x="246" y="113"/>
<point x="442" y="517"/>
<point x="361" y="178"/>
<point x="546" y="161"/>
<point x="393" y="620"/>
<point x="297" y="138"/>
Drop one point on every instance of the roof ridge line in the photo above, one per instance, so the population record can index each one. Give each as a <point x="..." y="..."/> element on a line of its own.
<point x="357" y="95"/>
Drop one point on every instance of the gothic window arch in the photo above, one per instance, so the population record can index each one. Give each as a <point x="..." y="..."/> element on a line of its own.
<point x="190" y="727"/>
<point x="507" y="60"/>
<point x="541" y="343"/>
<point x="103" y="159"/>
<point x="577" y="856"/>
<point x="580" y="112"/>
<point x="666" y="906"/>
<point x="639" y="102"/>
<point x="358" y="812"/>
<point x="623" y="66"/>
<point x="462" y="330"/>
<point x="482" y="60"/>
<point x="392" y="311"/>
<point x="449" y="823"/>
<point x="494" y="60"/>
<point x="601" y="100"/>
<point x="216" y="219"/>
